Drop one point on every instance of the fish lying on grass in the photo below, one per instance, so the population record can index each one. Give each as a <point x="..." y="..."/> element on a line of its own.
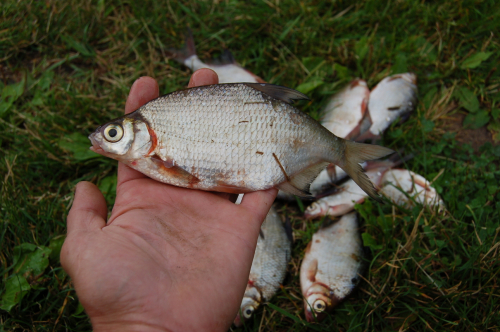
<point x="268" y="266"/>
<point x="393" y="98"/>
<point x="344" y="112"/>
<point x="233" y="138"/>
<point x="403" y="187"/>
<point x="343" y="199"/>
<point x="330" y="268"/>
<point x="226" y="67"/>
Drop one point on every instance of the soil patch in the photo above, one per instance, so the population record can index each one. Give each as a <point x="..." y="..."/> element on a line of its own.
<point x="475" y="137"/>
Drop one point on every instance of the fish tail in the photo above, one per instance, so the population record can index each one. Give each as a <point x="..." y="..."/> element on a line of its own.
<point x="356" y="153"/>
<point x="188" y="50"/>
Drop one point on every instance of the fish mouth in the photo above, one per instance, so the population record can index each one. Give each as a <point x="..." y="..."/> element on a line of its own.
<point x="310" y="316"/>
<point x="95" y="145"/>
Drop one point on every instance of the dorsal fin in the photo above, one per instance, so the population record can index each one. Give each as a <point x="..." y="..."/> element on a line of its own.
<point x="278" y="92"/>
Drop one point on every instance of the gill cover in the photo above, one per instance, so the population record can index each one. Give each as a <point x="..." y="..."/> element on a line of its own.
<point x="123" y="138"/>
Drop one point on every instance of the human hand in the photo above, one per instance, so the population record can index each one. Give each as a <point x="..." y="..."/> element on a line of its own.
<point x="168" y="258"/>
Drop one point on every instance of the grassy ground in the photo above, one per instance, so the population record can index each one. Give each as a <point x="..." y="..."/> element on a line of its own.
<point x="66" y="67"/>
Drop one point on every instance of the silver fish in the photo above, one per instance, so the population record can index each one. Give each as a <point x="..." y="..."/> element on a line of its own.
<point x="233" y="138"/>
<point x="344" y="112"/>
<point x="269" y="264"/>
<point x="393" y="98"/>
<point x="330" y="268"/>
<point x="226" y="67"/>
<point x="403" y="186"/>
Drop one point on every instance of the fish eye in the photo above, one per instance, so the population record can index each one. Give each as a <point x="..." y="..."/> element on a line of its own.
<point x="319" y="306"/>
<point x="248" y="312"/>
<point x="113" y="133"/>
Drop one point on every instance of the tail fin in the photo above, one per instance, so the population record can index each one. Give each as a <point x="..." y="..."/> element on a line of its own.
<point x="356" y="153"/>
<point x="186" y="51"/>
<point x="393" y="161"/>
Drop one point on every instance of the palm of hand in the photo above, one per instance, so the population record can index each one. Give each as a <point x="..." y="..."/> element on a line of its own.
<point x="168" y="258"/>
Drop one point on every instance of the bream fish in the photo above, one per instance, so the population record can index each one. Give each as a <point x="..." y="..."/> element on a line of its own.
<point x="393" y="98"/>
<point x="403" y="187"/>
<point x="330" y="268"/>
<point x="345" y="110"/>
<point x="226" y="67"/>
<point x="233" y="138"/>
<point x="269" y="264"/>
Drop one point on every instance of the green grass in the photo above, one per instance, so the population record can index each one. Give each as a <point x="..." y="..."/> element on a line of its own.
<point x="66" y="67"/>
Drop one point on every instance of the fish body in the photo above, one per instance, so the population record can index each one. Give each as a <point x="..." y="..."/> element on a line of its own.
<point x="269" y="264"/>
<point x="345" y="110"/>
<point x="233" y="138"/>
<point x="394" y="97"/>
<point x="330" y="268"/>
<point x="403" y="186"/>
<point x="226" y="67"/>
<point x="343" y="199"/>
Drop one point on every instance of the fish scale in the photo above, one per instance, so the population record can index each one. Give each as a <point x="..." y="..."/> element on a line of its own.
<point x="205" y="145"/>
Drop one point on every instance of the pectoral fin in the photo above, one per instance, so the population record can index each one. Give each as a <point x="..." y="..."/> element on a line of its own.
<point x="168" y="168"/>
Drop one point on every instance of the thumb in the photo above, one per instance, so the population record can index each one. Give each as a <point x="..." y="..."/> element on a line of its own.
<point x="89" y="209"/>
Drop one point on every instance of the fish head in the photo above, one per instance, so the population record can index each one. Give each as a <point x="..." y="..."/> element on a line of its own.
<point x="319" y="301"/>
<point x="250" y="303"/>
<point x="318" y="208"/>
<point x="125" y="139"/>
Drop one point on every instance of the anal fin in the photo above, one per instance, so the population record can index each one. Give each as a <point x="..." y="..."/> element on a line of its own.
<point x="299" y="183"/>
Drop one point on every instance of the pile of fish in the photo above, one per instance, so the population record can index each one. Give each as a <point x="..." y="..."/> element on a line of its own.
<point x="335" y="257"/>
<point x="247" y="136"/>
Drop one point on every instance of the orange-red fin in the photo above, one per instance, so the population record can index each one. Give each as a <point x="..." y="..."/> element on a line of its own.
<point x="167" y="168"/>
